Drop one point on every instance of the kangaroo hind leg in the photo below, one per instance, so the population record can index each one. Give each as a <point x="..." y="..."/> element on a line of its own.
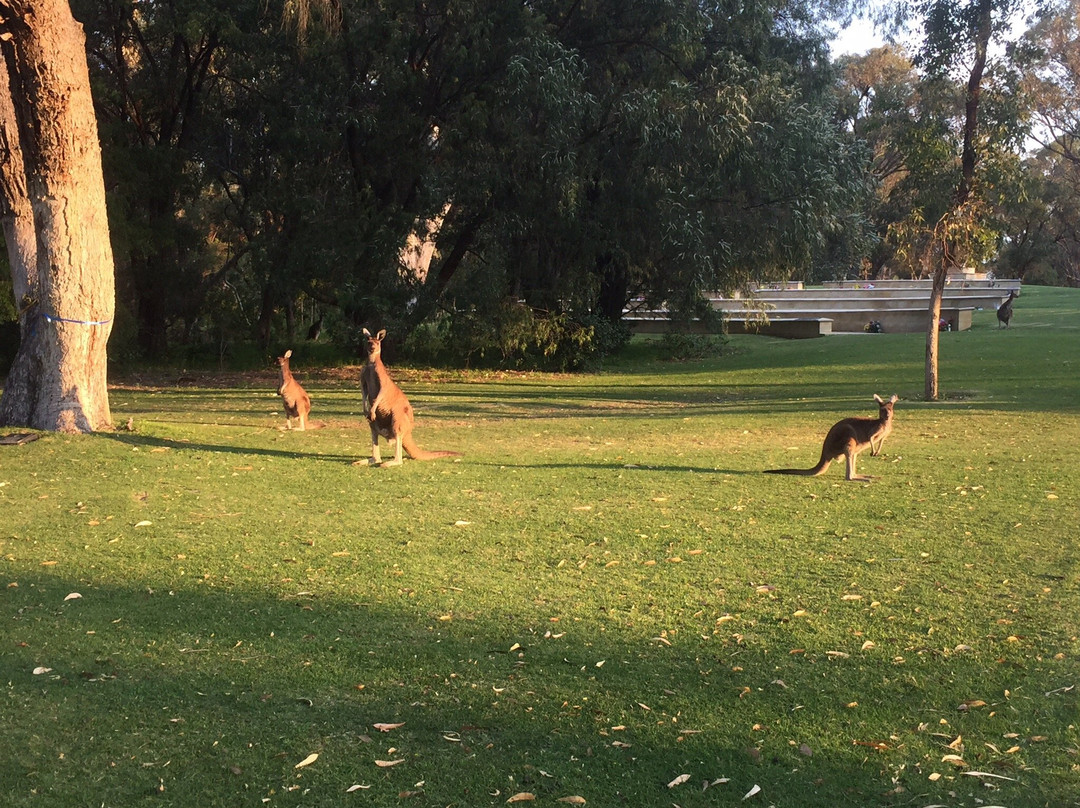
<point x="376" y="455"/>
<point x="851" y="453"/>
<point x="397" y="461"/>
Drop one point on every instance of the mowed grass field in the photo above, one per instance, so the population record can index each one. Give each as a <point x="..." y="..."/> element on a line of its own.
<point x="604" y="602"/>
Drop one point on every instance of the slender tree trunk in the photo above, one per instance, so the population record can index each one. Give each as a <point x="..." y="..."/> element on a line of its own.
<point x="968" y="160"/>
<point x="58" y="379"/>
<point x="933" y="331"/>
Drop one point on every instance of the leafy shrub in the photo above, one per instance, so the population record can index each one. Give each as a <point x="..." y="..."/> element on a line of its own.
<point x="680" y="347"/>
<point x="514" y="335"/>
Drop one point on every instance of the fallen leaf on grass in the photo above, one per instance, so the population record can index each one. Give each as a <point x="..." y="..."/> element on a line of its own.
<point x="574" y="799"/>
<point x="143" y="523"/>
<point x="388" y="727"/>
<point x="806" y="750"/>
<point x="851" y="597"/>
<point x="678" y="781"/>
<point x="40" y="670"/>
<point x="988" y="774"/>
<point x="881" y="746"/>
<point x="307" y="761"/>
<point x="955" y="760"/>
<point x="386" y="764"/>
<point x="971" y="704"/>
<point x="755" y="790"/>
<point x="522" y="796"/>
<point x="73" y="596"/>
<point x="356" y="787"/>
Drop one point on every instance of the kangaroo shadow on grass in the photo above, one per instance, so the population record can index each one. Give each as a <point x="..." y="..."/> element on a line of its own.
<point x="140" y="441"/>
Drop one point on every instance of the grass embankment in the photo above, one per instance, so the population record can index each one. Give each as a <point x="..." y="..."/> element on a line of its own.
<point x="605" y="593"/>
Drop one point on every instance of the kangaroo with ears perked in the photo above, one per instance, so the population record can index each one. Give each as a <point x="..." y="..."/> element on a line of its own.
<point x="388" y="411"/>
<point x="849" y="437"/>
<point x="1005" y="310"/>
<point x="297" y="401"/>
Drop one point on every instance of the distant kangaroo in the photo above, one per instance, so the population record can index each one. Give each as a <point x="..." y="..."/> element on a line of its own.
<point x="1005" y="310"/>
<point x="297" y="401"/>
<point x="388" y="412"/>
<point x="849" y="437"/>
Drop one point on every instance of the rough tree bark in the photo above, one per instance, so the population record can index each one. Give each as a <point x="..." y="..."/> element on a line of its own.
<point x="52" y="187"/>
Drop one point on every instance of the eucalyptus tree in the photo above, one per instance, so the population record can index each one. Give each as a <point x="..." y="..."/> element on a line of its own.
<point x="959" y="42"/>
<point x="52" y="200"/>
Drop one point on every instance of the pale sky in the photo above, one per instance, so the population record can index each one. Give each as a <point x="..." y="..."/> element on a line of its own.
<point x="857" y="38"/>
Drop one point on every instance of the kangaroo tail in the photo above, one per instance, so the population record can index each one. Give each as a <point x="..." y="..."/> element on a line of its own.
<point x="416" y="453"/>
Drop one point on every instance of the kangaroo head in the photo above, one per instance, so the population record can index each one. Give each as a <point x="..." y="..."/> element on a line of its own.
<point x="885" y="407"/>
<point x="284" y="360"/>
<point x="373" y="344"/>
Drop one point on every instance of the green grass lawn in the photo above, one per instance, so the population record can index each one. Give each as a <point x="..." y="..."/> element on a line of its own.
<point x="604" y="599"/>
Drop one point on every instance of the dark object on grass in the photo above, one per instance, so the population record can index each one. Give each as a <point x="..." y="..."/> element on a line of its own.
<point x="18" y="438"/>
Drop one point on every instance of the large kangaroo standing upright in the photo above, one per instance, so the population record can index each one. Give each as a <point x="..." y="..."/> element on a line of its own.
<point x="849" y="437"/>
<point x="388" y="411"/>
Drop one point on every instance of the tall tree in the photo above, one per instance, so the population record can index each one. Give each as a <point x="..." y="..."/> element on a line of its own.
<point x="957" y="36"/>
<point x="52" y="184"/>
<point x="590" y="151"/>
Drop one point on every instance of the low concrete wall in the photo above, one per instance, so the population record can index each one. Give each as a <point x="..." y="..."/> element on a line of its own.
<point x="899" y="321"/>
<point x="1007" y="284"/>
<point x="797" y="307"/>
<point x="786" y="327"/>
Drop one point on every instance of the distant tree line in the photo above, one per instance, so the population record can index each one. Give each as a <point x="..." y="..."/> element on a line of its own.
<point x="497" y="181"/>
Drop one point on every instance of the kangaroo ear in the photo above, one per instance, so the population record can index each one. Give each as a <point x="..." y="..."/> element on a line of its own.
<point x="381" y="335"/>
<point x="367" y="333"/>
<point x="894" y="399"/>
<point x="877" y="398"/>
<point x="288" y="353"/>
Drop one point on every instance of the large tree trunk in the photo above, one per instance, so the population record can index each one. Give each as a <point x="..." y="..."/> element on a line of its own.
<point x="58" y="379"/>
